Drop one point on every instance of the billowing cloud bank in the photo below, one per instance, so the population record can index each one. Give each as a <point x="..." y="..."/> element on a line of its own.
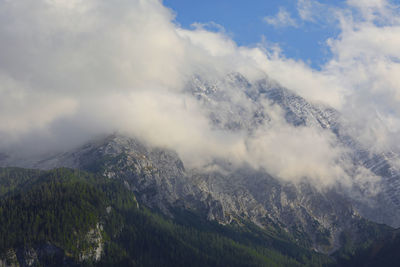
<point x="74" y="69"/>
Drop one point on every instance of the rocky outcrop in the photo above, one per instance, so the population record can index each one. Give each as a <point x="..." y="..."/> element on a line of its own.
<point x="94" y="246"/>
<point x="91" y="251"/>
<point x="32" y="256"/>
<point x="9" y="259"/>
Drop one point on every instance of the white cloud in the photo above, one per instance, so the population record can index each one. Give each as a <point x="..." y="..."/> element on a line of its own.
<point x="69" y="72"/>
<point x="281" y="19"/>
<point x="375" y="10"/>
<point x="367" y="60"/>
<point x="73" y="69"/>
<point x="361" y="79"/>
<point x="295" y="153"/>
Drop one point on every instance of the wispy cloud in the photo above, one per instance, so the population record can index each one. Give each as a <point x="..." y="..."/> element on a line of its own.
<point x="309" y="10"/>
<point x="281" y="19"/>
<point x="316" y="12"/>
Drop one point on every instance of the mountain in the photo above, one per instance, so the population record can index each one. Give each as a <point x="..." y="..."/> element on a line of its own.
<point x="69" y="217"/>
<point x="160" y="181"/>
<point x="335" y="219"/>
<point x="66" y="217"/>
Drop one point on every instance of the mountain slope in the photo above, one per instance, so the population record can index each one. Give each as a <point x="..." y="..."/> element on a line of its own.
<point x="383" y="252"/>
<point x="160" y="181"/>
<point x="89" y="220"/>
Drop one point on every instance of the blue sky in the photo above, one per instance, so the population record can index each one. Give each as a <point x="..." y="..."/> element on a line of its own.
<point x="244" y="22"/>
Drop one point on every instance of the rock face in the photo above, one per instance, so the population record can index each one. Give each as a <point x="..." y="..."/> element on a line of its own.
<point x="256" y="196"/>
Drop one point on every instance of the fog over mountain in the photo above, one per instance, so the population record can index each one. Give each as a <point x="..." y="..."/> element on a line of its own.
<point x="73" y="70"/>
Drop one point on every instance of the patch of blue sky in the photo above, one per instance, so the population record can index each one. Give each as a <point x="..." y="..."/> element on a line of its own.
<point x="245" y="22"/>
